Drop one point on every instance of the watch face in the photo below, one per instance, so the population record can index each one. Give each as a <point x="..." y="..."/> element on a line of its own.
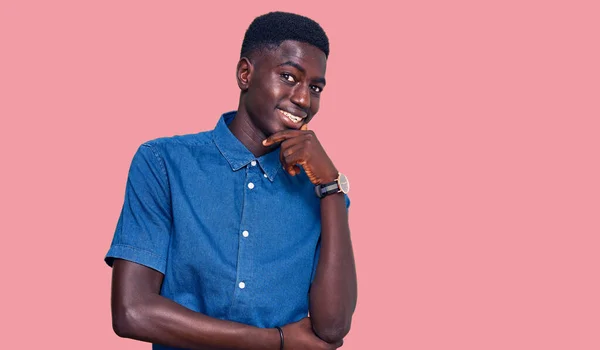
<point x="344" y="184"/>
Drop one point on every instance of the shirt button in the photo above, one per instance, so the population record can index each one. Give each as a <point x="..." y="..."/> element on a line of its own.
<point x="242" y="285"/>
<point x="253" y="163"/>
<point x="245" y="234"/>
<point x="250" y="185"/>
<point x="265" y="175"/>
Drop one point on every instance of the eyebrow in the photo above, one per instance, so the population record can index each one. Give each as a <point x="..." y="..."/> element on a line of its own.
<point x="300" y="68"/>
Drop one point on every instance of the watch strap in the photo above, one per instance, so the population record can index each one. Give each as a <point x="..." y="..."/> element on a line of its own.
<point x="327" y="189"/>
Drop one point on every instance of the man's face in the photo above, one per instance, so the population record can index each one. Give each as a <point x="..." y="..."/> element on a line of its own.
<point x="285" y="86"/>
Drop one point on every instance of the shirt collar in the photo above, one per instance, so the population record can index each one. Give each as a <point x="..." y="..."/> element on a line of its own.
<point x="237" y="155"/>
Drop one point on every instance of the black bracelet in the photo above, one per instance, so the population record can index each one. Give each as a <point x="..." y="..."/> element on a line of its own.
<point x="280" y="336"/>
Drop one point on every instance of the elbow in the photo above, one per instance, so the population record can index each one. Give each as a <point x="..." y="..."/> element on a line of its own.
<point x="124" y="322"/>
<point x="334" y="332"/>
<point x="120" y="328"/>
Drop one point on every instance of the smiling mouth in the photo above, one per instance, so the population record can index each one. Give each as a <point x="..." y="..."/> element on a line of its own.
<point x="293" y="118"/>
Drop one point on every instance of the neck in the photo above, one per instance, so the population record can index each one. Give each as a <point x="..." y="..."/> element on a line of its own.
<point x="249" y="135"/>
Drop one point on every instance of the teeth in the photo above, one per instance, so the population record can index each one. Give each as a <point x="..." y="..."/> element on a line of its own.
<point x="292" y="117"/>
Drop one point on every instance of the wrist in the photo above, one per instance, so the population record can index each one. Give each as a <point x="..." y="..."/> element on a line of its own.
<point x="331" y="176"/>
<point x="281" y="339"/>
<point x="268" y="338"/>
<point x="339" y="184"/>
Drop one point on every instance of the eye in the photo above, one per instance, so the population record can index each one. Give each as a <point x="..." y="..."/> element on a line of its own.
<point x="288" y="77"/>
<point x="316" y="89"/>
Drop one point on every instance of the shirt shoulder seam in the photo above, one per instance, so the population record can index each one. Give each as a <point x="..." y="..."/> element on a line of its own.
<point x="158" y="157"/>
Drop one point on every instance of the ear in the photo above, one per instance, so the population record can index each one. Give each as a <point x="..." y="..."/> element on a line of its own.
<point x="244" y="73"/>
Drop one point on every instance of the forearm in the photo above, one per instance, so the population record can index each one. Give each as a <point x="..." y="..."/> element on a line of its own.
<point x="139" y="312"/>
<point x="160" y="320"/>
<point x="334" y="291"/>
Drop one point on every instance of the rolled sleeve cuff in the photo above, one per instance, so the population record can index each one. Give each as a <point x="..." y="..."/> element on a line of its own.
<point x="136" y="255"/>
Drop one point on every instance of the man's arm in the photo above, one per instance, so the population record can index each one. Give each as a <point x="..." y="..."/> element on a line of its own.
<point x="140" y="312"/>
<point x="333" y="292"/>
<point x="138" y="309"/>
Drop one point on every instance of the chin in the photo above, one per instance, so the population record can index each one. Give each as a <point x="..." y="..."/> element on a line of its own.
<point x="275" y="128"/>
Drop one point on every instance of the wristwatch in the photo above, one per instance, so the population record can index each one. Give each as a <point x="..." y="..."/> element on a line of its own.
<point x="340" y="184"/>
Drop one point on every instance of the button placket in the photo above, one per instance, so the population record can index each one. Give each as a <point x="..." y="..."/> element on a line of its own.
<point x="244" y="270"/>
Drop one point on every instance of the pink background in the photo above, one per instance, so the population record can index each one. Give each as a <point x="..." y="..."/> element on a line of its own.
<point x="469" y="131"/>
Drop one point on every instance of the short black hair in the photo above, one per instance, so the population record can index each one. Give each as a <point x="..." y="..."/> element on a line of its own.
<point x="270" y="30"/>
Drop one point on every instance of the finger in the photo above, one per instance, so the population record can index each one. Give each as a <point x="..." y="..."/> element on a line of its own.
<point x="290" y="168"/>
<point x="292" y="141"/>
<point x="291" y="148"/>
<point x="304" y="127"/>
<point x="288" y="147"/>
<point x="296" y="169"/>
<point x="295" y="158"/>
<point x="280" y="136"/>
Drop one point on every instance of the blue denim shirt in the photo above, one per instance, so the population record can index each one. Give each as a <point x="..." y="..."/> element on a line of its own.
<point x="235" y="236"/>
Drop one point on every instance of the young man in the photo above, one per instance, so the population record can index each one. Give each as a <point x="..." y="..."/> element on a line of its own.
<point x="228" y="238"/>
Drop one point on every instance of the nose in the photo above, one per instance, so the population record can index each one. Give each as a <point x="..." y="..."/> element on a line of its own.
<point x="301" y="96"/>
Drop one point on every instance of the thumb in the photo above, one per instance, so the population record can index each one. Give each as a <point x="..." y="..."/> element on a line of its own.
<point x="304" y="127"/>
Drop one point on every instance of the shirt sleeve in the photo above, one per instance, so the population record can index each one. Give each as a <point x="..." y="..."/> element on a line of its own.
<point x="144" y="227"/>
